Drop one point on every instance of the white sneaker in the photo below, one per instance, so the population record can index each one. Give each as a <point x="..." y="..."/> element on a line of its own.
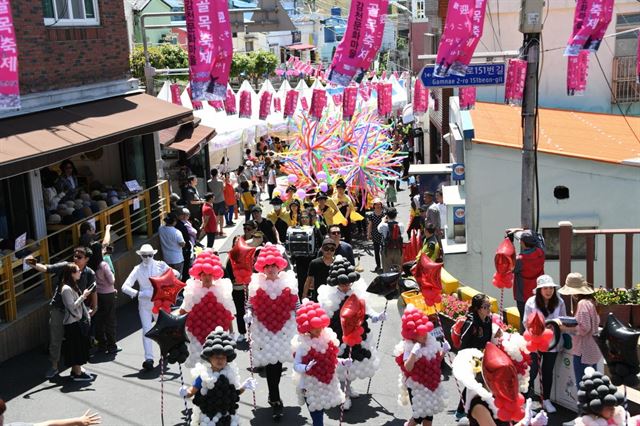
<point x="548" y="406"/>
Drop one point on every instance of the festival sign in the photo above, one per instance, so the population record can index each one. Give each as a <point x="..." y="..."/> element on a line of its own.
<point x="477" y="23"/>
<point x="477" y="75"/>
<point x="9" y="78"/>
<point x="457" y="33"/>
<point x="372" y="39"/>
<point x="590" y="22"/>
<point x="209" y="47"/>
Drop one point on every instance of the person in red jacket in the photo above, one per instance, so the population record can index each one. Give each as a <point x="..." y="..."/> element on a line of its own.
<point x="529" y="266"/>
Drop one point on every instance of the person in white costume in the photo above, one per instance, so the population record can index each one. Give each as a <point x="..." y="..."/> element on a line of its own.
<point x="148" y="268"/>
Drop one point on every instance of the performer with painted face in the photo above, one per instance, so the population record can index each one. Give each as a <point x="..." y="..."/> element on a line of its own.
<point x="315" y="349"/>
<point x="148" y="268"/>
<point x="271" y="317"/>
<point x="207" y="299"/>
<point x="344" y="281"/>
<point x="217" y="387"/>
<point x="419" y="356"/>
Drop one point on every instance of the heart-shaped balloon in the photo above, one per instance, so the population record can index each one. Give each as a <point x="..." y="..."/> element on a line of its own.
<point x="351" y="316"/>
<point x="206" y="315"/>
<point x="273" y="314"/>
<point x="427" y="274"/>
<point x="325" y="365"/>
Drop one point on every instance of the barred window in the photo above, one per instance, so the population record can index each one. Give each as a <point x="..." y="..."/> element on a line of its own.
<point x="70" y="12"/>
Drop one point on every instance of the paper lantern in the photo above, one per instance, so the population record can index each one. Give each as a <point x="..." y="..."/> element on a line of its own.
<point x="291" y="102"/>
<point x="230" y="103"/>
<point x="349" y="102"/>
<point x="318" y="103"/>
<point x="265" y="105"/>
<point x="245" y="104"/>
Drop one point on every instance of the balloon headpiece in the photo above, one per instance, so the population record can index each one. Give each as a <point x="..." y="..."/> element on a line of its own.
<point x="415" y="323"/>
<point x="207" y="263"/>
<point x="596" y="392"/>
<point x="342" y="272"/>
<point x="310" y="315"/>
<point x="270" y="255"/>
<point x="219" y="342"/>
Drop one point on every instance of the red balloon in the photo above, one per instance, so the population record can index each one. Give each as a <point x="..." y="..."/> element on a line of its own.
<point x="326" y="363"/>
<point x="501" y="377"/>
<point x="351" y="317"/>
<point x="165" y="290"/>
<point x="241" y="257"/>
<point x="202" y="320"/>
<point x="427" y="274"/>
<point x="504" y="260"/>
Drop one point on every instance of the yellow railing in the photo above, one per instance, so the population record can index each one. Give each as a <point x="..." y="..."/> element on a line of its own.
<point x="135" y="214"/>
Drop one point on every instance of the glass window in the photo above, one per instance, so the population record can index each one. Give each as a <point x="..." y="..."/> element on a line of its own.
<point x="70" y="12"/>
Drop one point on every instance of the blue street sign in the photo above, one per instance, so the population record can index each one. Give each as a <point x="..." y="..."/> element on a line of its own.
<point x="477" y="75"/>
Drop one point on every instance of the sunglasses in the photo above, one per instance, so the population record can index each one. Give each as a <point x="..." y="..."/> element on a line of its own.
<point x="146" y="256"/>
<point x="328" y="248"/>
<point x="335" y="232"/>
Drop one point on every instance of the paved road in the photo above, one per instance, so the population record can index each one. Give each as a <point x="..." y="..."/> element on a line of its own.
<point x="124" y="395"/>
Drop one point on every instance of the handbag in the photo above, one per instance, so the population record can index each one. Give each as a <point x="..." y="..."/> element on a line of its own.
<point x="84" y="321"/>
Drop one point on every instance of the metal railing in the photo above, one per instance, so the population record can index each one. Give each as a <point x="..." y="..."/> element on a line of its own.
<point x="567" y="233"/>
<point x="21" y="286"/>
<point x="624" y="80"/>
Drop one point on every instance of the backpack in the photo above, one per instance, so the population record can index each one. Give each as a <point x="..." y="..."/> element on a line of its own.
<point x="394" y="238"/>
<point x="456" y="332"/>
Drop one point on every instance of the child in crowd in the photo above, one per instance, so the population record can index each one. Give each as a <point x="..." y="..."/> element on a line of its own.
<point x="390" y="193"/>
<point x="217" y="387"/>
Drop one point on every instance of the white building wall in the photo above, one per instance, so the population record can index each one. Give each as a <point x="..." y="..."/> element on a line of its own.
<point x="599" y="192"/>
<point x="504" y="35"/>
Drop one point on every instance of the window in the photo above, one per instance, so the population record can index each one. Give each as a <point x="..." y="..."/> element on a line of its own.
<point x="419" y="9"/>
<point x="624" y="62"/>
<point x="552" y="243"/>
<point x="248" y="46"/>
<point x="70" y="12"/>
<point x="178" y="18"/>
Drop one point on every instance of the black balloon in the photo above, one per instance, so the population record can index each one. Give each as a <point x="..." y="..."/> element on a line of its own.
<point x="557" y="335"/>
<point x="385" y="285"/>
<point x="618" y="344"/>
<point x="168" y="332"/>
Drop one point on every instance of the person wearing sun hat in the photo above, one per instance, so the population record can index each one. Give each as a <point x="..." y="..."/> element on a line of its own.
<point x="584" y="349"/>
<point x="148" y="267"/>
<point x="547" y="302"/>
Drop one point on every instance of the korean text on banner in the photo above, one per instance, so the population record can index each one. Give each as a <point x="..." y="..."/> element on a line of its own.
<point x="420" y="97"/>
<point x="477" y="23"/>
<point x="209" y="47"/>
<point x="175" y="94"/>
<point x="349" y="102"/>
<point x="577" y="67"/>
<point x="384" y="98"/>
<point x="9" y="86"/>
<point x="455" y="38"/>
<point x="514" y="85"/>
<point x="372" y="38"/>
<point x="290" y="103"/>
<point x="467" y="96"/>
<point x="265" y="105"/>
<point x="590" y="22"/>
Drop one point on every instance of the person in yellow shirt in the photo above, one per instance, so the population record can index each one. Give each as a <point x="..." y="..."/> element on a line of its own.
<point x="345" y="205"/>
<point x="248" y="200"/>
<point x="326" y="208"/>
<point x="293" y="213"/>
<point x="278" y="216"/>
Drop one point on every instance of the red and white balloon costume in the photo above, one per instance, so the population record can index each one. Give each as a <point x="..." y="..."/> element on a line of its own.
<point x="208" y="307"/>
<point x="273" y="309"/>
<point x="317" y="385"/>
<point x="424" y="379"/>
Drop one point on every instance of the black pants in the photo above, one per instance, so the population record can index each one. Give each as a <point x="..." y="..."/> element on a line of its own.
<point x="302" y="269"/>
<point x="105" y="320"/>
<point x="548" y="364"/>
<point x="377" y="249"/>
<point x="238" y="300"/>
<point x="186" y="255"/>
<point x="270" y="189"/>
<point x="345" y="230"/>
<point x="274" y="372"/>
<point x="211" y="237"/>
<point x="520" y="306"/>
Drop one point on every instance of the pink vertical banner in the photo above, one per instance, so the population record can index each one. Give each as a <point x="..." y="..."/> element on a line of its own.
<point x="638" y="61"/>
<point x="577" y="69"/>
<point x="304" y="103"/>
<point x="318" y="103"/>
<point x="365" y="92"/>
<point x="467" y="97"/>
<point x="230" y="102"/>
<point x="245" y="104"/>
<point x="337" y="99"/>
<point x="200" y="18"/>
<point x="290" y="103"/>
<point x="9" y="77"/>
<point x="277" y="104"/>
<point x="461" y="63"/>
<point x="217" y="105"/>
<point x="420" y="97"/>
<point x="384" y="99"/>
<point x="372" y="37"/>
<point x="265" y="105"/>
<point x="514" y="84"/>
<point x="591" y="19"/>
<point x="349" y="102"/>
<point x="197" y="105"/>
<point x="457" y="32"/>
<point x="175" y="93"/>
<point x="224" y="49"/>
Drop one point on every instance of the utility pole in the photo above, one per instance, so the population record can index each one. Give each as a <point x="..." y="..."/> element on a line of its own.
<point x="531" y="27"/>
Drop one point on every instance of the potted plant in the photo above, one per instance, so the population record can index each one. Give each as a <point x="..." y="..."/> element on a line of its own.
<point x="452" y="309"/>
<point x="613" y="301"/>
<point x="634" y="305"/>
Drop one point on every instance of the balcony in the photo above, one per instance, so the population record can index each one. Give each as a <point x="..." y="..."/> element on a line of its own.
<point x="624" y="80"/>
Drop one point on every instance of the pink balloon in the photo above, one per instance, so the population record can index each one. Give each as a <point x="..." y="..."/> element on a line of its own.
<point x="292" y="179"/>
<point x="324" y="187"/>
<point x="301" y="193"/>
<point x="321" y="175"/>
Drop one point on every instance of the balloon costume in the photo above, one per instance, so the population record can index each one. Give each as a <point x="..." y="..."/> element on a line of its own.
<point x="316" y="360"/>
<point x="271" y="316"/>
<point x="428" y="397"/>
<point x="332" y="299"/>
<point x="596" y="392"/>
<point x="216" y="392"/>
<point x="208" y="307"/>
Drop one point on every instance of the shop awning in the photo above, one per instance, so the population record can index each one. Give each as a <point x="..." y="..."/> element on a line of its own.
<point x="190" y="138"/>
<point x="33" y="141"/>
<point x="301" y="47"/>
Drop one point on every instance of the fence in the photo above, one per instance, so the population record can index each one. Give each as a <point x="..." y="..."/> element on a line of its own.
<point x="567" y="233"/>
<point x="21" y="287"/>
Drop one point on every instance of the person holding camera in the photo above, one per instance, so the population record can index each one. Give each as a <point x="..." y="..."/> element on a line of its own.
<point x="86" y="280"/>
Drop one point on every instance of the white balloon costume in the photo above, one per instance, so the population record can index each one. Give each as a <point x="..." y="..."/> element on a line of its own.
<point x="208" y="307"/>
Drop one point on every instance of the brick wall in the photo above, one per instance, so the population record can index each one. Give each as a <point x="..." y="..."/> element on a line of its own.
<point x="56" y="58"/>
